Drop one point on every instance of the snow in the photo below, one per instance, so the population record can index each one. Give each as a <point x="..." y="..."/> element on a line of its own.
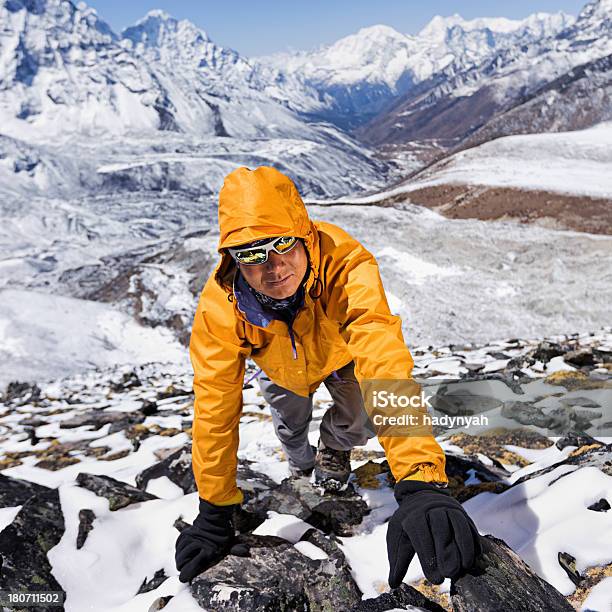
<point x="548" y="515"/>
<point x="7" y="515"/>
<point x="284" y="526"/>
<point x="472" y="259"/>
<point x="122" y="550"/>
<point x="601" y="595"/>
<point x="310" y="550"/>
<point x="53" y="336"/>
<point x="574" y="163"/>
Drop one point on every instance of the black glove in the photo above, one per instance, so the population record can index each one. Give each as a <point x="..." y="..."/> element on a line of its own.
<point x="203" y="544"/>
<point x="435" y="525"/>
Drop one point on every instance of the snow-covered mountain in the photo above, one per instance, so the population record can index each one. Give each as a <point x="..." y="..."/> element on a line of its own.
<point x="69" y="84"/>
<point x="458" y="100"/>
<point x="360" y="73"/>
<point x="63" y="70"/>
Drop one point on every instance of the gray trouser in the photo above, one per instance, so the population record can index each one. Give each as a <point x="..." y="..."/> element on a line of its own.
<point x="342" y="427"/>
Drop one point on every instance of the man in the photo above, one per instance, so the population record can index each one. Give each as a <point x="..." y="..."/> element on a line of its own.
<point x="305" y="301"/>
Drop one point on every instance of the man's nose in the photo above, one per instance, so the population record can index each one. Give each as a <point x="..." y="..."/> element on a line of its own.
<point x="274" y="260"/>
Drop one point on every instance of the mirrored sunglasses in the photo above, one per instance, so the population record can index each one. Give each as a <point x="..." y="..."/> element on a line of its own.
<point x="255" y="255"/>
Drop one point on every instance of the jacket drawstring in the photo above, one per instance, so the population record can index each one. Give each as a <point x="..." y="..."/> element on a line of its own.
<point x="295" y="355"/>
<point x="253" y="377"/>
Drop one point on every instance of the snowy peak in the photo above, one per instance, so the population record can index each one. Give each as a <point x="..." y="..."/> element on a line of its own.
<point x="63" y="69"/>
<point x="542" y="24"/>
<point x="159" y="29"/>
<point x="598" y="8"/>
<point x="376" y="33"/>
<point x="162" y="38"/>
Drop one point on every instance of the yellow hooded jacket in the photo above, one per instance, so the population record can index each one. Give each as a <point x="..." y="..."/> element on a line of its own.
<point x="345" y="317"/>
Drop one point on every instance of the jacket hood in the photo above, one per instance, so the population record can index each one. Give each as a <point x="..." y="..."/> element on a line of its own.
<point x="257" y="204"/>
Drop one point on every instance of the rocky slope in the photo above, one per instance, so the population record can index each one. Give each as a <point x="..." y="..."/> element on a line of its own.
<point x="557" y="180"/>
<point x="96" y="473"/>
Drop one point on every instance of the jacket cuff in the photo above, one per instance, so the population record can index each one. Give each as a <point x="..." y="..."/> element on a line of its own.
<point x="236" y="498"/>
<point x="427" y="472"/>
<point x="406" y="487"/>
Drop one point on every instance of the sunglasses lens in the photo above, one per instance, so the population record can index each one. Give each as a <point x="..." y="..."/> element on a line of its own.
<point x="259" y="254"/>
<point x="252" y="256"/>
<point x="284" y="244"/>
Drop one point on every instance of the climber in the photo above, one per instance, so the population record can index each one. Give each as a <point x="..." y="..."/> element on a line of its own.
<point x="304" y="300"/>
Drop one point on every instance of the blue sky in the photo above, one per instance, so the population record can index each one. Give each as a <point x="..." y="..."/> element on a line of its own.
<point x="257" y="27"/>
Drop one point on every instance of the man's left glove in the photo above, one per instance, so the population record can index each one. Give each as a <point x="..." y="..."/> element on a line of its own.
<point x="434" y="525"/>
<point x="204" y="543"/>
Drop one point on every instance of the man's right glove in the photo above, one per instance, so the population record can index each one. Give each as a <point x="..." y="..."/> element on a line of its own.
<point x="204" y="543"/>
<point x="434" y="525"/>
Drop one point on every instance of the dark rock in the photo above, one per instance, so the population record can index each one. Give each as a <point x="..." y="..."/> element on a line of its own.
<point x="119" y="494"/>
<point x="150" y="585"/>
<point x="568" y="563"/>
<point x="584" y="402"/>
<point x="498" y="355"/>
<point x="459" y="401"/>
<point x="34" y="421"/>
<point x="337" y="513"/>
<point x="56" y="462"/>
<point x="460" y="469"/>
<point x="129" y="380"/>
<point x="177" y="467"/>
<point x="86" y="519"/>
<point x="600" y="506"/>
<point x="576" y="438"/>
<point x="98" y="418"/>
<point x="24" y="545"/>
<point x="20" y="393"/>
<point x="276" y="577"/>
<point x="526" y="414"/>
<point x="506" y="377"/>
<point x="399" y="598"/>
<point x="602" y="355"/>
<point x="561" y="420"/>
<point x="545" y="351"/>
<point x="16" y="492"/>
<point x="172" y="391"/>
<point x="160" y="603"/>
<point x="502" y="581"/>
<point x="580" y="358"/>
<point x="583" y="419"/>
<point x="148" y="407"/>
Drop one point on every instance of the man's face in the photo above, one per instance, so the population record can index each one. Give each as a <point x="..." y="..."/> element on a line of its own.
<point x="281" y="275"/>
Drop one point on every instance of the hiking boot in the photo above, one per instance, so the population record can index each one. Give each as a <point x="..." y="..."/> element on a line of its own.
<point x="332" y="468"/>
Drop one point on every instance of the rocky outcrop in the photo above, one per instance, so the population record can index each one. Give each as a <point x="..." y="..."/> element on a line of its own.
<point x="176" y="467"/>
<point x="15" y="491"/>
<point x="119" y="494"/>
<point x="276" y="576"/>
<point x="86" y="519"/>
<point x="502" y="581"/>
<point x="24" y="545"/>
<point x="402" y="598"/>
